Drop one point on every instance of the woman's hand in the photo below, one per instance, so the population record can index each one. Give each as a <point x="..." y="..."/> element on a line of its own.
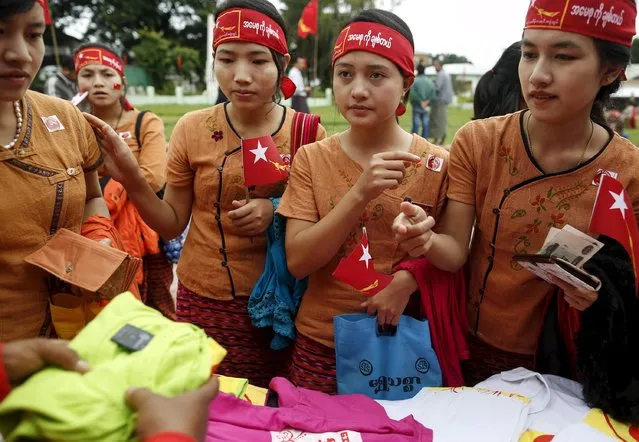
<point x="24" y="358"/>
<point x="119" y="162"/>
<point x="252" y="218"/>
<point x="384" y="171"/>
<point x="413" y="230"/>
<point x="577" y="298"/>
<point x="185" y="414"/>
<point x="390" y="303"/>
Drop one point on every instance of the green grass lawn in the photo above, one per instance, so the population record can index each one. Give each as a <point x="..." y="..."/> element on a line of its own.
<point x="332" y="120"/>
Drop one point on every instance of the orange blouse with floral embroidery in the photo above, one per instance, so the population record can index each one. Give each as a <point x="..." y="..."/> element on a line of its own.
<point x="205" y="154"/>
<point x="321" y="175"/>
<point x="516" y="204"/>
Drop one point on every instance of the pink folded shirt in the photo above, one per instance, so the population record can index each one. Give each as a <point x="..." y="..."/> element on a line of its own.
<point x="309" y="416"/>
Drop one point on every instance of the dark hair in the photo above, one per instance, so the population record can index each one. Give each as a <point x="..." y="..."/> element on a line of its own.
<point x="498" y="91"/>
<point x="265" y="7"/>
<point x="421" y="69"/>
<point x="385" y="18"/>
<point x="612" y="55"/>
<point x="9" y="8"/>
<point x="66" y="61"/>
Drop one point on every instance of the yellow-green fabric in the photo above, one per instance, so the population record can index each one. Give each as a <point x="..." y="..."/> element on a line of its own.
<point x="235" y="386"/>
<point x="59" y="405"/>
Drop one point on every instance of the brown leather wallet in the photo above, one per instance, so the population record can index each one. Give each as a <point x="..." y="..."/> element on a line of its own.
<point x="86" y="264"/>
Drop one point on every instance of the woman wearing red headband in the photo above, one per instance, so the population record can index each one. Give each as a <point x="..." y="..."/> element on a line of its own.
<point x="48" y="172"/>
<point x="225" y="250"/>
<point x="515" y="177"/>
<point x="355" y="179"/>
<point x="101" y="75"/>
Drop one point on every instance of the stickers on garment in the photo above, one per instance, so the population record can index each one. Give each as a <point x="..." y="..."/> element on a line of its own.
<point x="303" y="436"/>
<point x="601" y="173"/>
<point x="53" y="123"/>
<point x="434" y="163"/>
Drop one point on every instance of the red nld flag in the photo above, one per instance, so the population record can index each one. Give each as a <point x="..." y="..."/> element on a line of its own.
<point x="262" y="162"/>
<point x="613" y="216"/>
<point x="308" y="21"/>
<point x="358" y="271"/>
<point x="47" y="13"/>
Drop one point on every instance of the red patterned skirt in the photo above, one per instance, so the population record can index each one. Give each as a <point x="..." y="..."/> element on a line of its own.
<point x="486" y="361"/>
<point x="249" y="353"/>
<point x="155" y="289"/>
<point x="313" y="366"/>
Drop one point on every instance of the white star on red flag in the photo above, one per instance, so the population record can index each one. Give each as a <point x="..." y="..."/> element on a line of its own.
<point x="260" y="153"/>
<point x="619" y="203"/>
<point x="366" y="256"/>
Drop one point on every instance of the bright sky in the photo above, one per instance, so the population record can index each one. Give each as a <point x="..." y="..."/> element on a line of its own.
<point x="479" y="30"/>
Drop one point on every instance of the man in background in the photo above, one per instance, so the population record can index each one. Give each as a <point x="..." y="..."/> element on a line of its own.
<point x="421" y="94"/>
<point x="296" y="74"/>
<point x="439" y="107"/>
<point x="64" y="83"/>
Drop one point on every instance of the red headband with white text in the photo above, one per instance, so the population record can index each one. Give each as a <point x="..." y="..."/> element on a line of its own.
<point x="610" y="20"/>
<point x="378" y="39"/>
<point x="99" y="56"/>
<point x="249" y="26"/>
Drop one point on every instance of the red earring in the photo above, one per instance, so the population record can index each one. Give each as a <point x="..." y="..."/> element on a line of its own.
<point x="401" y="109"/>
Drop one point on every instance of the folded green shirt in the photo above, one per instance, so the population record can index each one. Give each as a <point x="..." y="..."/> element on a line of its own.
<point x="59" y="405"/>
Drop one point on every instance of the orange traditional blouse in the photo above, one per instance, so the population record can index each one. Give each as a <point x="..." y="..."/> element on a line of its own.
<point x="205" y="154"/>
<point x="516" y="204"/>
<point x="43" y="190"/>
<point x="321" y="175"/>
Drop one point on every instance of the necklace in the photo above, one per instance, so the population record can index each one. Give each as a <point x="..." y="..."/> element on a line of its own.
<point x="18" y="111"/>
<point x="115" y="128"/>
<point x="583" y="154"/>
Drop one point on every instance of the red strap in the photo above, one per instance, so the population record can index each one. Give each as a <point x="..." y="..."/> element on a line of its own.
<point x="5" y="386"/>
<point x="170" y="437"/>
<point x="303" y="130"/>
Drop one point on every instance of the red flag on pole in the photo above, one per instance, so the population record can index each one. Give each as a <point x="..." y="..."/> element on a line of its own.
<point x="308" y="21"/>
<point x="47" y="13"/>
<point x="613" y="216"/>
<point x="262" y="162"/>
<point x="358" y="271"/>
<point x="179" y="62"/>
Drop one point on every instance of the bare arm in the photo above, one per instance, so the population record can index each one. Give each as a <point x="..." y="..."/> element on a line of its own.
<point x="446" y="246"/>
<point x="94" y="204"/>
<point x="310" y="246"/>
<point x="168" y="217"/>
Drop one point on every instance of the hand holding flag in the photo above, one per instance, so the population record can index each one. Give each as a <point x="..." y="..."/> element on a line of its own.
<point x="357" y="270"/>
<point x="262" y="162"/>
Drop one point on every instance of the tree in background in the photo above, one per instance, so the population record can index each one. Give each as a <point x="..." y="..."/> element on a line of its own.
<point x="333" y="13"/>
<point x="126" y="24"/>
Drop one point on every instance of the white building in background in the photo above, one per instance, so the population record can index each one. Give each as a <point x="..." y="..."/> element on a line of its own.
<point x="630" y="87"/>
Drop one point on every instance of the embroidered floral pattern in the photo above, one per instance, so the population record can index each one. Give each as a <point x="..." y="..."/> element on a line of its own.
<point x="538" y="203"/>
<point x="557" y="220"/>
<point x="506" y="154"/>
<point x="551" y="209"/>
<point x="218" y="135"/>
